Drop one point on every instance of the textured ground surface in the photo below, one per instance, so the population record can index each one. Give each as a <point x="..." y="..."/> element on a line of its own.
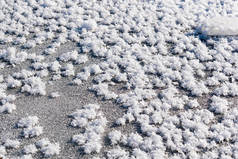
<point x="118" y="79"/>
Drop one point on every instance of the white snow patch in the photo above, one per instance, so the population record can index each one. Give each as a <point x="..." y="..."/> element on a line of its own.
<point x="220" y="26"/>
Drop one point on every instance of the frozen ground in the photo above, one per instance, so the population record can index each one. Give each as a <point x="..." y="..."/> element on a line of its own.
<point x="118" y="79"/>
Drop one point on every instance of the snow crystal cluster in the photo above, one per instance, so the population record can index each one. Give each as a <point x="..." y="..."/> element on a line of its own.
<point x="6" y="105"/>
<point x="92" y="121"/>
<point x="9" y="143"/>
<point x="102" y="90"/>
<point x="34" y="86"/>
<point x="47" y="148"/>
<point x="30" y="128"/>
<point x="12" y="56"/>
<point x="30" y="149"/>
<point x="43" y="146"/>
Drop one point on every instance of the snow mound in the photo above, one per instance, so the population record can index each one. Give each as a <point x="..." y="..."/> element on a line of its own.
<point x="220" y="26"/>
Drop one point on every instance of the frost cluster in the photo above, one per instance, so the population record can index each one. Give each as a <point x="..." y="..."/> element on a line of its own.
<point x="47" y="148"/>
<point x="69" y="56"/>
<point x="68" y="70"/>
<point x="34" y="86"/>
<point x="114" y="136"/>
<point x="29" y="121"/>
<point x="117" y="153"/>
<point x="219" y="105"/>
<point x="92" y="121"/>
<point x="30" y="127"/>
<point x="102" y="89"/>
<point x="6" y="105"/>
<point x="12" y="56"/>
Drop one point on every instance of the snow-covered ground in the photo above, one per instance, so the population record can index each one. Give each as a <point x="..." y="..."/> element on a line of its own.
<point x="115" y="79"/>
